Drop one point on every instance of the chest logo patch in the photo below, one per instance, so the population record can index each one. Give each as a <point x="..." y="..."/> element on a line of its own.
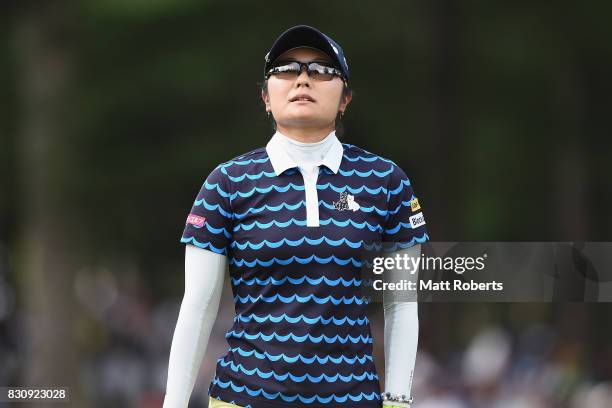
<point x="346" y="202"/>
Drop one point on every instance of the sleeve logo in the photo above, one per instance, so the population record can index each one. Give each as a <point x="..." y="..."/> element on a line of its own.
<point x="195" y="220"/>
<point x="417" y="220"/>
<point x="414" y="204"/>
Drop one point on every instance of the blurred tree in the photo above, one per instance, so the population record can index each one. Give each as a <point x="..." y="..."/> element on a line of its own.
<point x="49" y="247"/>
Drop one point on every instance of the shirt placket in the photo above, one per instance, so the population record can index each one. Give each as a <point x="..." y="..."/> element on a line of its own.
<point x="312" y="197"/>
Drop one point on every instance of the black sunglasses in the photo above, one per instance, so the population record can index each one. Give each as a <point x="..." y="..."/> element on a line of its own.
<point x="315" y="70"/>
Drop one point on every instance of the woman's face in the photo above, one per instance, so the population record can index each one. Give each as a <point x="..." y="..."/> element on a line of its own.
<point x="319" y="114"/>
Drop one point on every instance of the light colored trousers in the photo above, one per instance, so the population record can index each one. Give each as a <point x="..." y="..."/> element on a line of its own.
<point x="215" y="403"/>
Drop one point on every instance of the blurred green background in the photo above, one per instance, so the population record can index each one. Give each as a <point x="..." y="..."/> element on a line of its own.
<point x="114" y="112"/>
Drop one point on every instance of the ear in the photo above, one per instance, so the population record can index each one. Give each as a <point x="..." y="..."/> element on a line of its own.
<point x="266" y="99"/>
<point x="344" y="101"/>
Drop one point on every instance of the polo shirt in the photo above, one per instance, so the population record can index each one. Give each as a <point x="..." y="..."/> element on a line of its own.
<point x="301" y="336"/>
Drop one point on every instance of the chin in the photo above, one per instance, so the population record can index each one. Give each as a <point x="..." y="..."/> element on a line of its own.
<point x="304" y="122"/>
<point x="310" y="118"/>
<point x="303" y="117"/>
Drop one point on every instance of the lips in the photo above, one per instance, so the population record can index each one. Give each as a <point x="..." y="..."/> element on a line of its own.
<point x="302" y="97"/>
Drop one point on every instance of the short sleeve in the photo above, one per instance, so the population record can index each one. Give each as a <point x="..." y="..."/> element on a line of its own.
<point x="209" y="224"/>
<point x="404" y="221"/>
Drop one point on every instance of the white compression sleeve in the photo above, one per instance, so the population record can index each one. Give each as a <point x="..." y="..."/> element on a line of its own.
<point x="204" y="275"/>
<point x="401" y="338"/>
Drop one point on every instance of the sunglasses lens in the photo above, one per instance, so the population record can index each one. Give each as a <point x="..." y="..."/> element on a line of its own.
<point x="287" y="71"/>
<point x="316" y="71"/>
<point x="320" y="72"/>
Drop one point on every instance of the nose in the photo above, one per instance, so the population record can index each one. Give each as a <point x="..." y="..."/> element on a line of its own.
<point x="303" y="77"/>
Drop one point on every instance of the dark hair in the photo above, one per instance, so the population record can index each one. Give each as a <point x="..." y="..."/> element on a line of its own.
<point x="339" y="126"/>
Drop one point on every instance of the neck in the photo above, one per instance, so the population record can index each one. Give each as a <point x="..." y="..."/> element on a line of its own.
<point x="295" y="144"/>
<point x="305" y="135"/>
<point x="307" y="155"/>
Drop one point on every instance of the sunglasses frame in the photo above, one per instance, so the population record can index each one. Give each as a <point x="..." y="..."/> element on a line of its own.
<point x="327" y="69"/>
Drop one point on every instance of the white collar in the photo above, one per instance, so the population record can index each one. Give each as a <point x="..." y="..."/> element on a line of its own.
<point x="281" y="161"/>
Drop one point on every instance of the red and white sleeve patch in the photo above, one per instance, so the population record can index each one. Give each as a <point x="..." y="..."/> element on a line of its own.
<point x="195" y="220"/>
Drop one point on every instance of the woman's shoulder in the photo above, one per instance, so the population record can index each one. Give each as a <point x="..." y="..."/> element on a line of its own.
<point x="355" y="153"/>
<point x="252" y="156"/>
<point x="361" y="158"/>
<point x="255" y="154"/>
<point x="251" y="161"/>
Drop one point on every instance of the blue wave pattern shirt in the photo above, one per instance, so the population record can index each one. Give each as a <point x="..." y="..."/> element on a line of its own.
<point x="300" y="335"/>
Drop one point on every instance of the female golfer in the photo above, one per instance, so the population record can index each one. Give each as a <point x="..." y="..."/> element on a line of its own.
<point x="289" y="220"/>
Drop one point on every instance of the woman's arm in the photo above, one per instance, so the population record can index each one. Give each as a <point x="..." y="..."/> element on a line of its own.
<point x="204" y="275"/>
<point x="401" y="338"/>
